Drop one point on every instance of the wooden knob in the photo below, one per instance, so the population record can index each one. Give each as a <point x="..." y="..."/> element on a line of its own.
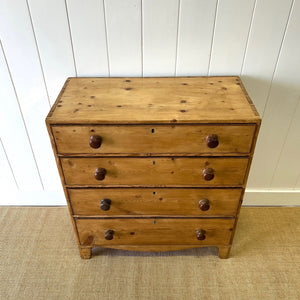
<point x="100" y="173"/>
<point x="204" y="204"/>
<point x="105" y="204"/>
<point x="95" y="141"/>
<point x="200" y="233"/>
<point x="208" y="174"/>
<point x="109" y="234"/>
<point x="212" y="141"/>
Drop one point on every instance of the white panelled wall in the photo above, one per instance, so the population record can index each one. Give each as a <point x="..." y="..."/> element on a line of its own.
<point x="44" y="42"/>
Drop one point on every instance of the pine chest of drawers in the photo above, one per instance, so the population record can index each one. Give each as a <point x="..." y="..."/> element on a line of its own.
<point x="153" y="164"/>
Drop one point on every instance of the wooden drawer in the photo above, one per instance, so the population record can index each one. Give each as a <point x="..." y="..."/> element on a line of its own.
<point x="155" y="171"/>
<point x="154" y="231"/>
<point x="154" y="201"/>
<point x="154" y="139"/>
<point x="153" y="164"/>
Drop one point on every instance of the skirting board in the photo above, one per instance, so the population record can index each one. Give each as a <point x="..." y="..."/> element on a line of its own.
<point x="32" y="198"/>
<point x="260" y="197"/>
<point x="263" y="197"/>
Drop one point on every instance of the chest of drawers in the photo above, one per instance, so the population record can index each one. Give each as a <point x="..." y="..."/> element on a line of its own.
<point x="153" y="164"/>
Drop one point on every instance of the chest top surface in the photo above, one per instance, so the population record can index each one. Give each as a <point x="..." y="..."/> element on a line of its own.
<point x="153" y="100"/>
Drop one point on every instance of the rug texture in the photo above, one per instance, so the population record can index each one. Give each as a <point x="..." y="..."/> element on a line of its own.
<point x="40" y="260"/>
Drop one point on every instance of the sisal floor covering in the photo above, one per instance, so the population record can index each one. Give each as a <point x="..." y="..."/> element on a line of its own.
<point x="39" y="260"/>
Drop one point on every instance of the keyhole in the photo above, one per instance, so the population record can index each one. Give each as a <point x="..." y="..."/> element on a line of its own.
<point x="153" y="162"/>
<point x="152" y="130"/>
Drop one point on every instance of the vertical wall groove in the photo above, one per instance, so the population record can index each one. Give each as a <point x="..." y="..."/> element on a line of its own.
<point x="71" y="39"/>
<point x="284" y="143"/>
<point x="213" y="36"/>
<point x="142" y="40"/>
<point x="249" y="32"/>
<point x="38" y="51"/>
<point x="22" y="116"/>
<point x="106" y="33"/>
<point x="177" y="38"/>
<point x="278" y="57"/>
<point x="8" y="162"/>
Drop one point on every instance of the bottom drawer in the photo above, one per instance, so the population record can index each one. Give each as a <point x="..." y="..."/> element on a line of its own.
<point x="154" y="231"/>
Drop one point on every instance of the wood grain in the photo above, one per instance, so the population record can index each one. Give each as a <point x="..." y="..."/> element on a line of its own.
<point x="153" y="100"/>
<point x="154" y="171"/>
<point x="154" y="231"/>
<point x="154" y="139"/>
<point x="154" y="201"/>
<point x="224" y="251"/>
<point x="154" y="248"/>
<point x="141" y="179"/>
<point x="85" y="252"/>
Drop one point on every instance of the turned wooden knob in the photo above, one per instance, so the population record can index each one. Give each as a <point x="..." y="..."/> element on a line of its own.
<point x="204" y="204"/>
<point x="200" y="233"/>
<point x="95" y="141"/>
<point x="105" y="204"/>
<point x="212" y="141"/>
<point x="109" y="234"/>
<point x="208" y="174"/>
<point x="100" y="173"/>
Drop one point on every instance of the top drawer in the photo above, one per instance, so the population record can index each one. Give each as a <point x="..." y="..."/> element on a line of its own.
<point x="154" y="139"/>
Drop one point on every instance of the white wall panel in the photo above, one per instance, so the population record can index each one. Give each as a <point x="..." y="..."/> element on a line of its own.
<point x="160" y="24"/>
<point x="123" y="23"/>
<point x="195" y="30"/>
<point x="232" y="25"/>
<point x="23" y="61"/>
<point x="7" y="181"/>
<point x="52" y="33"/>
<point x="288" y="168"/>
<point x="46" y="41"/>
<point x="282" y="103"/>
<point x="89" y="37"/>
<point x="13" y="134"/>
<point x="266" y="35"/>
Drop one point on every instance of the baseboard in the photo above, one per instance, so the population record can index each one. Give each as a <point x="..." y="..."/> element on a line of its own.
<point x="264" y="197"/>
<point x="33" y="198"/>
<point x="259" y="197"/>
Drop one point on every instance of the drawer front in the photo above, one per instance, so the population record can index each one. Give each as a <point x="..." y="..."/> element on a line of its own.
<point x="156" y="139"/>
<point x="154" y="231"/>
<point x="154" y="201"/>
<point x="154" y="171"/>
